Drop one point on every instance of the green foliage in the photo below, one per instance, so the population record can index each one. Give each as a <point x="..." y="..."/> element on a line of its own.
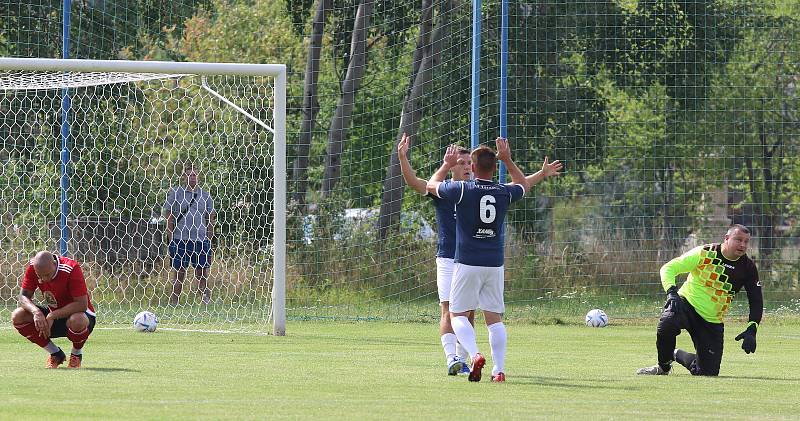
<point x="99" y="29"/>
<point x="298" y="10"/>
<point x="242" y="32"/>
<point x="755" y="122"/>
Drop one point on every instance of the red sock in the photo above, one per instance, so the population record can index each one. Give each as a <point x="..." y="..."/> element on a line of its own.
<point x="79" y="338"/>
<point x="29" y="331"/>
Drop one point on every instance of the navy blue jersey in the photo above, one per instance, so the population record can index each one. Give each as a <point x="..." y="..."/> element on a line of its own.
<point x="446" y="226"/>
<point x="481" y="208"/>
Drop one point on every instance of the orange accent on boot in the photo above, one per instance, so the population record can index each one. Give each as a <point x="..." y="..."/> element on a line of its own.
<point x="53" y="361"/>
<point x="74" y="361"/>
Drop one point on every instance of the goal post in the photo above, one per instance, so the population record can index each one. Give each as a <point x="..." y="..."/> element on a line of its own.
<point x="134" y="125"/>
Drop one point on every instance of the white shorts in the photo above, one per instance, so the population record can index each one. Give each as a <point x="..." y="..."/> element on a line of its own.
<point x="477" y="287"/>
<point x="444" y="277"/>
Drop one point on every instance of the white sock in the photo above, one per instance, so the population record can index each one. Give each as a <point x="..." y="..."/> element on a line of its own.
<point x="51" y="347"/>
<point x="465" y="334"/>
<point x="449" y="345"/>
<point x="497" y="340"/>
<point x="461" y="352"/>
<point x="76" y="351"/>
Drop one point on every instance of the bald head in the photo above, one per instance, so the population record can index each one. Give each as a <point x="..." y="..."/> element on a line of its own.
<point x="45" y="265"/>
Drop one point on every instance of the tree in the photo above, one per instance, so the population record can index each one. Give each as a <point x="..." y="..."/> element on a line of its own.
<point x="427" y="55"/>
<point x="310" y="101"/>
<point x="756" y="124"/>
<point x="356" y="68"/>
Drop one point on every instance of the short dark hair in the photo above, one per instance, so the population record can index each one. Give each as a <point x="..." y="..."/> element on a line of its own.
<point x="484" y="158"/>
<point x="463" y="150"/>
<point x="189" y="166"/>
<point x="739" y="227"/>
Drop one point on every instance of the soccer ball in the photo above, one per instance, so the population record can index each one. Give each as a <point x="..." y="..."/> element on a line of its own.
<point x="596" y="318"/>
<point x="145" y="321"/>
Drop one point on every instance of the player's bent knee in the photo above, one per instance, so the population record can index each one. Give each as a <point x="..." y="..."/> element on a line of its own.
<point x="700" y="372"/>
<point x="21" y="316"/>
<point x="697" y="370"/>
<point x="668" y="325"/>
<point x="78" y="322"/>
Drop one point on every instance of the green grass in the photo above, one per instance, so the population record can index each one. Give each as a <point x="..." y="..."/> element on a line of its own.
<point x="381" y="370"/>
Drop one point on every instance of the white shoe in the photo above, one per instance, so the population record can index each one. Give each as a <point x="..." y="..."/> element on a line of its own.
<point x="655" y="370"/>
<point x="454" y="366"/>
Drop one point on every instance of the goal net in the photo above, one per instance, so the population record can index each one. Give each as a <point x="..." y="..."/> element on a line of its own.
<point x="91" y="151"/>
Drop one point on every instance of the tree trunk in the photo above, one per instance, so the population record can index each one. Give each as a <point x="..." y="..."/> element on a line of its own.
<point x="423" y="42"/>
<point x="310" y="103"/>
<point x="764" y="206"/>
<point x="344" y="107"/>
<point x="392" y="199"/>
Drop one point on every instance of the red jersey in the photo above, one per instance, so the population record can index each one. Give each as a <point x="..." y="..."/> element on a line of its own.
<point x="67" y="284"/>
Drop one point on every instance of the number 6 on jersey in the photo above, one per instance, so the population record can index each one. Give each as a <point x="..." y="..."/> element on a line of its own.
<point x="487" y="209"/>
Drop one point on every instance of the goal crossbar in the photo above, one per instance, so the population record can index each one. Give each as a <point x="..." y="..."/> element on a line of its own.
<point x="130" y="66"/>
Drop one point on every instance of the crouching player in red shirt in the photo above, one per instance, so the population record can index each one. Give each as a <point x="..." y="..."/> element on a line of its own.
<point x="68" y="313"/>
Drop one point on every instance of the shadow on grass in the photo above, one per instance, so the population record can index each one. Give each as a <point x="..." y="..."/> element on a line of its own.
<point x="784" y="379"/>
<point x="373" y="340"/>
<point x="110" y="369"/>
<point x="568" y="383"/>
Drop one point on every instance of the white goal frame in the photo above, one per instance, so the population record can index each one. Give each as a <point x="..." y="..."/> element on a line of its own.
<point x="277" y="71"/>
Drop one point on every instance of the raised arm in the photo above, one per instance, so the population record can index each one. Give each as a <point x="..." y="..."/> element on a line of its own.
<point x="450" y="160"/>
<point x="504" y="155"/>
<point x="549" y="169"/>
<point x="409" y="175"/>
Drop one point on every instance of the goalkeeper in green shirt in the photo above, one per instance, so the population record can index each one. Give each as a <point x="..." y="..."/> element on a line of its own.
<point x="716" y="273"/>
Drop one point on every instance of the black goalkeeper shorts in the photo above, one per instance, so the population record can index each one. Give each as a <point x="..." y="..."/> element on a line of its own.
<point x="708" y="337"/>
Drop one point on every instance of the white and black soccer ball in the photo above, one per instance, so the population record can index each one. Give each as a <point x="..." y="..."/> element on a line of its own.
<point x="145" y="321"/>
<point x="596" y="318"/>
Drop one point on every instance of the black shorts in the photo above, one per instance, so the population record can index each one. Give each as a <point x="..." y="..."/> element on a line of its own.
<point x="59" y="328"/>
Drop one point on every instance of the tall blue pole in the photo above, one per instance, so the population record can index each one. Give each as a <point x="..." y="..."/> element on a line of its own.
<point x="65" y="106"/>
<point x="476" y="76"/>
<point x="503" y="79"/>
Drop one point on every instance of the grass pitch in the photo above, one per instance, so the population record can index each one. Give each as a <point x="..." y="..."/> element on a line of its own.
<point x="379" y="370"/>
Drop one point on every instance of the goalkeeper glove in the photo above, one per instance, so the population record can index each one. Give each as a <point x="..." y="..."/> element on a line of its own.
<point x="673" y="300"/>
<point x="748" y="338"/>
